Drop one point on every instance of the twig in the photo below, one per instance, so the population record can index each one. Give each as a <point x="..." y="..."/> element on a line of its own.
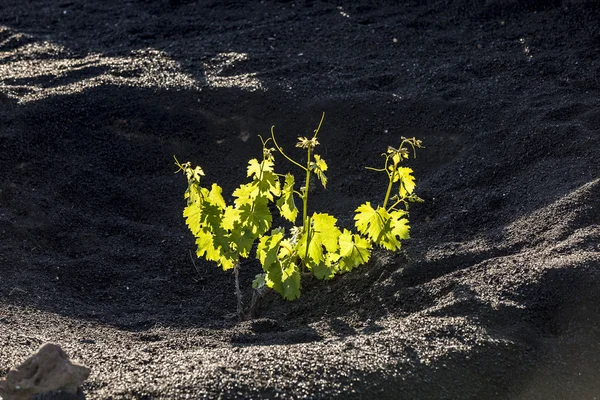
<point x="257" y="295"/>
<point x="16" y="289"/>
<point x="238" y="292"/>
<point x="194" y="262"/>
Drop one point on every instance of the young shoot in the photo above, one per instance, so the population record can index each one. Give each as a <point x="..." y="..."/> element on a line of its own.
<point x="225" y="233"/>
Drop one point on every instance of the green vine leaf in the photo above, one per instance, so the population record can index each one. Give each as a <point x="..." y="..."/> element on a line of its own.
<point x="310" y="252"/>
<point x="267" y="249"/>
<point x="256" y="217"/>
<point x="215" y="196"/>
<point x="268" y="185"/>
<point x="193" y="194"/>
<point x="323" y="271"/>
<point x="206" y="246"/>
<point x="211" y="217"/>
<point x="231" y="216"/>
<point x="259" y="281"/>
<point x="282" y="275"/>
<point x="319" y="166"/>
<point x="285" y="281"/>
<point x="285" y="203"/>
<point x="323" y="236"/>
<point x="226" y="262"/>
<point x="354" y="251"/>
<point x="400" y="227"/>
<point x="372" y="223"/>
<point x="245" y="194"/>
<point x="407" y="181"/>
<point x="191" y="213"/>
<point x="325" y="232"/>
<point x="242" y="240"/>
<point x="192" y="174"/>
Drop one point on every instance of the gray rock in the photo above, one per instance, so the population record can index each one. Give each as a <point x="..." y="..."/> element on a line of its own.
<point x="47" y="374"/>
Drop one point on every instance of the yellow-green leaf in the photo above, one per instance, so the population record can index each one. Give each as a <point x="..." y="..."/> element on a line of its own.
<point x="269" y="185"/>
<point x="245" y="194"/>
<point x="371" y="222"/>
<point x="286" y="249"/>
<point x="319" y="166"/>
<point x="206" y="247"/>
<point x="285" y="203"/>
<point x="191" y="213"/>
<point x="323" y="271"/>
<point x="323" y="236"/>
<point x="310" y="251"/>
<point x="230" y="217"/>
<point x="407" y="181"/>
<point x="253" y="168"/>
<point x="282" y="275"/>
<point x="267" y="250"/>
<point x="256" y="216"/>
<point x="193" y="194"/>
<point x="400" y="227"/>
<point x="226" y="263"/>
<point x="284" y="279"/>
<point x="354" y="251"/>
<point x="242" y="240"/>
<point x="215" y="197"/>
<point x="324" y="231"/>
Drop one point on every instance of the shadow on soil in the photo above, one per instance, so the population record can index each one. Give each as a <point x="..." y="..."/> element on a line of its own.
<point x="92" y="212"/>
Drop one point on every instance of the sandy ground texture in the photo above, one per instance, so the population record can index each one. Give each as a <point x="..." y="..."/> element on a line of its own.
<point x="497" y="294"/>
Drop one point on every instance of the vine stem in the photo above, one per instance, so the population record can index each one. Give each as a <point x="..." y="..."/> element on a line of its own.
<point x="393" y="206"/>
<point x="238" y="292"/>
<point x="389" y="188"/>
<point x="280" y="150"/>
<point x="305" y="220"/>
<point x="305" y="194"/>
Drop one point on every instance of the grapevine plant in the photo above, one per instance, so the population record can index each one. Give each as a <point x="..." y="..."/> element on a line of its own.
<point x="226" y="233"/>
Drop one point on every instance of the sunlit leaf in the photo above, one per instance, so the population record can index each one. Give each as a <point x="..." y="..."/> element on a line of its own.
<point x="193" y="194"/>
<point x="206" y="247"/>
<point x="256" y="216"/>
<point x="354" y="251"/>
<point x="319" y="166"/>
<point x="215" y="197"/>
<point x="267" y="249"/>
<point x="191" y="213"/>
<point x="371" y="222"/>
<point x="269" y="185"/>
<point x="231" y="215"/>
<point x="407" y="181"/>
<point x="254" y="168"/>
<point x="285" y="203"/>
<point x="400" y="227"/>
<point x="283" y="277"/>
<point x="285" y="280"/>
<point x="286" y="249"/>
<point x="325" y="232"/>
<point x="242" y="240"/>
<point x="310" y="251"/>
<point x="245" y="194"/>
<point x="226" y="263"/>
<point x="314" y="245"/>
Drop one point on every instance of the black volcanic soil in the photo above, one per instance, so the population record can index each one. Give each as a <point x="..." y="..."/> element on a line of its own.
<point x="497" y="294"/>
